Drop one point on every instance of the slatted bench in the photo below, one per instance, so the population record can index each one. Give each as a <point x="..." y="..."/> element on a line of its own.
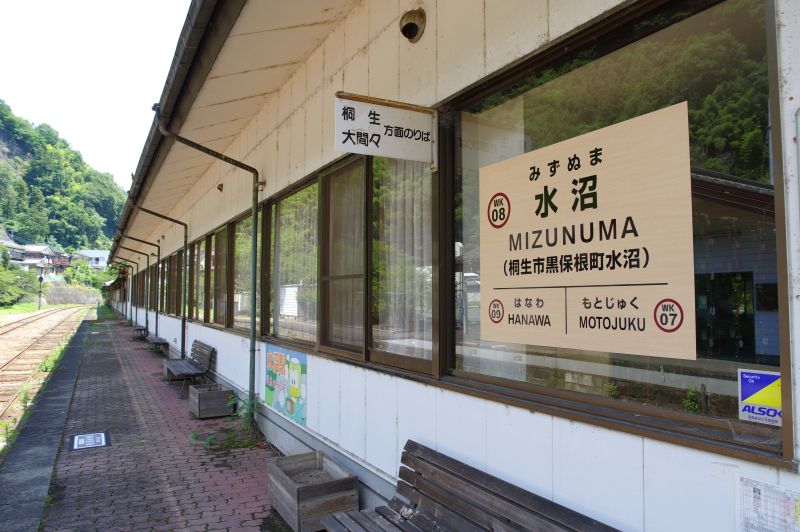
<point x="159" y="344"/>
<point x="447" y="495"/>
<point x="140" y="331"/>
<point x="190" y="368"/>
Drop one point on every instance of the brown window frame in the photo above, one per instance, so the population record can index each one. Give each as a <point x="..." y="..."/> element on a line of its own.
<point x="649" y="421"/>
<point x="366" y="354"/>
<point x="325" y="344"/>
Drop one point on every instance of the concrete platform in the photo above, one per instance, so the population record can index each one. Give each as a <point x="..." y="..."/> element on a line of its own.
<point x="157" y="474"/>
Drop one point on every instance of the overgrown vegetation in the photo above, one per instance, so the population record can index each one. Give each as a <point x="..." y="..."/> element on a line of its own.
<point x="51" y="362"/>
<point x="14" y="282"/>
<point x="47" y="191"/>
<point x="80" y="273"/>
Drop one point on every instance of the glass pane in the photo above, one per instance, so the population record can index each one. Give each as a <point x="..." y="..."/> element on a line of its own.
<point x="402" y="297"/>
<point x="346" y="227"/>
<point x="211" y="276"/>
<point x="346" y="256"/>
<point x="715" y="60"/>
<point x="241" y="274"/>
<point x="296" y="249"/>
<point x="347" y="311"/>
<point x="271" y="267"/>
<point x="164" y="287"/>
<point x="220" y="276"/>
<point x="199" y="278"/>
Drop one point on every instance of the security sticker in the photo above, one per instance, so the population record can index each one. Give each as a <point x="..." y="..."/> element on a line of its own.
<point x="760" y="397"/>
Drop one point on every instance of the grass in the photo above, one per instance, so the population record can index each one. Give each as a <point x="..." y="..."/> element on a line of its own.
<point x="104" y="312"/>
<point x="27" y="308"/>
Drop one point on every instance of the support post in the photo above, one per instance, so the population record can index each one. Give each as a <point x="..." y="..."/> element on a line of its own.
<point x="158" y="263"/>
<point x="147" y="287"/>
<point x="136" y="321"/>
<point x="162" y="127"/>
<point x="185" y="272"/>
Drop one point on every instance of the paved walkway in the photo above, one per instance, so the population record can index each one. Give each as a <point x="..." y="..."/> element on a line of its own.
<point x="157" y="474"/>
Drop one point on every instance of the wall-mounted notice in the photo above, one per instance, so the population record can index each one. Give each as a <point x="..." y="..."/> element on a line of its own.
<point x="760" y="397"/>
<point x="383" y="128"/>
<point x="766" y="507"/>
<point x="587" y="243"/>
<point x="285" y="389"/>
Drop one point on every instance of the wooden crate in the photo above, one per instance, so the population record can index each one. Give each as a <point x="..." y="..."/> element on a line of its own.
<point x="305" y="487"/>
<point x="209" y="400"/>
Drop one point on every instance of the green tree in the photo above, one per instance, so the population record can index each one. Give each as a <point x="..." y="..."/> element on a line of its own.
<point x="32" y="225"/>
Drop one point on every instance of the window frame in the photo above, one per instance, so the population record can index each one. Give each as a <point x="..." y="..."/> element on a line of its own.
<point x="326" y="345"/>
<point x="232" y="228"/>
<point x="684" y="429"/>
<point x="366" y="354"/>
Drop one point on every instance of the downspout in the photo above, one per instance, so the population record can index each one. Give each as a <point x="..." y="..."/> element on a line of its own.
<point x="185" y="279"/>
<point x="162" y="127"/>
<point x="136" y="321"/>
<point x="158" y="262"/>
<point x="147" y="287"/>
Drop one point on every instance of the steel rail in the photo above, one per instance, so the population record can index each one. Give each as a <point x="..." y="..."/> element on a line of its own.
<point x="22" y="383"/>
<point x="27" y="320"/>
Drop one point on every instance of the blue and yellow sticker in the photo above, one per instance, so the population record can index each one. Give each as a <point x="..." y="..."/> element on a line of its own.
<point x="760" y="397"/>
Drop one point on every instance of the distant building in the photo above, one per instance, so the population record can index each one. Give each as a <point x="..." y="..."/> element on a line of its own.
<point x="96" y="258"/>
<point x="39" y="257"/>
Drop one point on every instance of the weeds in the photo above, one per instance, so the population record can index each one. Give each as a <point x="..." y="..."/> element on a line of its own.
<point x="194" y="437"/>
<point x="51" y="362"/>
<point x="209" y="444"/>
<point x="8" y="430"/>
<point x="691" y="402"/>
<point x="25" y="397"/>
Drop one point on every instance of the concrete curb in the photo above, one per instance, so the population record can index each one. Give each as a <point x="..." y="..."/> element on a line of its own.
<point x="28" y="467"/>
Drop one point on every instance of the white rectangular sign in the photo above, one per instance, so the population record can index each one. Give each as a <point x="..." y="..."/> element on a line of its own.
<point x="384" y="131"/>
<point x="597" y="252"/>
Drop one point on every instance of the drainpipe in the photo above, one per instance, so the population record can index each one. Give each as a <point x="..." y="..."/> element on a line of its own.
<point x="162" y="127"/>
<point x="136" y="321"/>
<point x="185" y="269"/>
<point x="158" y="262"/>
<point x="147" y="287"/>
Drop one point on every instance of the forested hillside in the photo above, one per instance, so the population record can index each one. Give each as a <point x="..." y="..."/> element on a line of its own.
<point x="48" y="193"/>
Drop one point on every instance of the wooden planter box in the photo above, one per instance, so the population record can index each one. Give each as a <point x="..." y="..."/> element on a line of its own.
<point x="209" y="400"/>
<point x="306" y="487"/>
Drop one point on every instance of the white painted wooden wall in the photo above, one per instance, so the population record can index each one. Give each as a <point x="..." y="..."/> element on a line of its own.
<point x="627" y="481"/>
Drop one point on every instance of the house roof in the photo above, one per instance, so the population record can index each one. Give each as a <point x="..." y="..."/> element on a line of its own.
<point x="93" y="253"/>
<point x="38" y="248"/>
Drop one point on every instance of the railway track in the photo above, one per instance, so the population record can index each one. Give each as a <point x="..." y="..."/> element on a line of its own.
<point x="21" y="354"/>
<point x="6" y="328"/>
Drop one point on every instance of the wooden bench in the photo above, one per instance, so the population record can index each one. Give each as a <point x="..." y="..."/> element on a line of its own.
<point x="140" y="331"/>
<point x="445" y="494"/>
<point x="190" y="368"/>
<point x="159" y="344"/>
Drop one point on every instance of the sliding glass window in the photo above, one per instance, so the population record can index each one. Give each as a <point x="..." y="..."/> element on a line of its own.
<point x="242" y="297"/>
<point x="164" y="286"/>
<point x="295" y="281"/>
<point x="402" y="258"/>
<point x="343" y="264"/>
<point x="198" y="280"/>
<point x="220" y="275"/>
<point x="713" y="62"/>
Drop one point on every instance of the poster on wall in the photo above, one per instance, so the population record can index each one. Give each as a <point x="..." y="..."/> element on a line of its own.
<point x="760" y="397"/>
<point x="765" y="506"/>
<point x="587" y="243"/>
<point x="285" y="389"/>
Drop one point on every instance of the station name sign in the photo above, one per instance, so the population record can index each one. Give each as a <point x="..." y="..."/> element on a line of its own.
<point x="587" y="244"/>
<point x="384" y="128"/>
